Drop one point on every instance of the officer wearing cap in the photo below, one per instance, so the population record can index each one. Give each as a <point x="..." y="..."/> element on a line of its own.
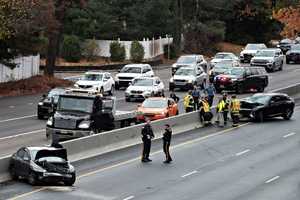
<point x="166" y="143"/>
<point x="147" y="136"/>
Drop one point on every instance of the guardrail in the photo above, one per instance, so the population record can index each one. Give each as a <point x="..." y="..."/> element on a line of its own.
<point x="94" y="145"/>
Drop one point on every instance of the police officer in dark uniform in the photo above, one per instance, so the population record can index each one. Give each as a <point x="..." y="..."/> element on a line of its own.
<point x="166" y="143"/>
<point x="147" y="135"/>
<point x="174" y="96"/>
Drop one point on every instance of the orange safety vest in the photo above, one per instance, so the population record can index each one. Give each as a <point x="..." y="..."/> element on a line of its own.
<point x="235" y="106"/>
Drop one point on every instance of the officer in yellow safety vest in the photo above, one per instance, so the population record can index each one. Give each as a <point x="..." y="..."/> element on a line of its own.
<point x="235" y="110"/>
<point x="220" y="112"/>
<point x="206" y="110"/>
<point x="188" y="102"/>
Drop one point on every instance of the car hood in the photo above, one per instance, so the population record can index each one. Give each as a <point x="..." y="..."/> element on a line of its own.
<point x="140" y="88"/>
<point x="82" y="82"/>
<point x="183" y="64"/>
<point x="151" y="110"/>
<point x="262" y="58"/>
<point x="227" y="76"/>
<point x="62" y="153"/>
<point x="249" y="52"/>
<point x="128" y="75"/>
<point x="294" y="51"/>
<point x="178" y="77"/>
<point x="247" y="104"/>
<point x="71" y="115"/>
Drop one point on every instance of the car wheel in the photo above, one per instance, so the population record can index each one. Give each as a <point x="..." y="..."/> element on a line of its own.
<point x="288" y="114"/>
<point x="32" y="179"/>
<point x="70" y="181"/>
<point x="280" y="67"/>
<point x="261" y="89"/>
<point x="239" y="89"/>
<point x="259" y="116"/>
<point x="112" y="90"/>
<point x="288" y="61"/>
<point x="117" y="87"/>
<point x="39" y="116"/>
<point x="12" y="172"/>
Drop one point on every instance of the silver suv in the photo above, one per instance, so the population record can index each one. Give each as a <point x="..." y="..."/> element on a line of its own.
<point x="271" y="59"/>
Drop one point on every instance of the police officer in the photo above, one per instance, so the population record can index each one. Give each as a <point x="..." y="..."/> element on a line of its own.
<point x="210" y="91"/>
<point x="226" y="108"/>
<point x="235" y="110"/>
<point x="147" y="135"/>
<point x="188" y="102"/>
<point x="196" y="97"/>
<point x="166" y="143"/>
<point x="207" y="113"/>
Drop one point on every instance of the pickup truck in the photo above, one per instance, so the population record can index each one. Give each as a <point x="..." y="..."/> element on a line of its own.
<point x="79" y="114"/>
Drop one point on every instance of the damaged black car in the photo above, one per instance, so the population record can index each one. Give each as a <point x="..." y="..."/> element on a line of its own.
<point x="42" y="165"/>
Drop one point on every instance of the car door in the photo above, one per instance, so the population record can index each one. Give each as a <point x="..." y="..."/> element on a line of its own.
<point x="26" y="163"/>
<point x="250" y="82"/>
<point x="273" y="109"/>
<point x="18" y="162"/>
<point x="106" y="82"/>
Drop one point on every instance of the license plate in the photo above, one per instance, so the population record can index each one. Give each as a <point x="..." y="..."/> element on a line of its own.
<point x="222" y="86"/>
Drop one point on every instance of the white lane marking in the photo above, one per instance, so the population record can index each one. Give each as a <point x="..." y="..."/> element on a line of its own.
<point x="289" y="135"/>
<point x="21" y="134"/>
<point x="189" y="174"/>
<point x="272" y="179"/>
<point x="242" y="152"/>
<point x="128" y="198"/>
<point x="17" y="118"/>
<point x="11" y="106"/>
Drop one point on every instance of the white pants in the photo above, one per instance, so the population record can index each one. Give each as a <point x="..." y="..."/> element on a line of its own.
<point x="220" y="118"/>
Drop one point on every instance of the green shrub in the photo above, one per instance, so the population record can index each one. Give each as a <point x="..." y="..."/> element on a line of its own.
<point x="90" y="50"/>
<point x="172" y="54"/>
<point x="137" y="52"/>
<point x="117" y="52"/>
<point x="71" y="50"/>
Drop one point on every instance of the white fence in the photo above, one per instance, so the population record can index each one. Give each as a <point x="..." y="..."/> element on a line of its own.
<point x="152" y="47"/>
<point x="26" y="67"/>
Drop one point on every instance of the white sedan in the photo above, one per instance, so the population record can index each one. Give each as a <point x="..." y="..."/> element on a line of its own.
<point x="144" y="87"/>
<point x="95" y="82"/>
<point x="224" y="56"/>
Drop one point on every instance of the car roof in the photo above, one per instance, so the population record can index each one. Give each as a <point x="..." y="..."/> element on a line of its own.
<point x="224" y="53"/>
<point x="137" y="65"/>
<point x="147" y="77"/>
<point x="40" y="148"/>
<point x="157" y="98"/>
<point x="95" y="72"/>
<point x="270" y="94"/>
<point x="270" y="49"/>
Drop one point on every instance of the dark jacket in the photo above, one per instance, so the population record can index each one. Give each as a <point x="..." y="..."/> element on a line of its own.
<point x="167" y="135"/>
<point x="147" y="132"/>
<point x="174" y="97"/>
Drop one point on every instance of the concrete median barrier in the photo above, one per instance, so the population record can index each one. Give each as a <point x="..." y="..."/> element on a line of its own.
<point x="95" y="145"/>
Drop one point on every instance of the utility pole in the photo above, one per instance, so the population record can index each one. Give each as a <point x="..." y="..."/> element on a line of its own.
<point x="178" y="11"/>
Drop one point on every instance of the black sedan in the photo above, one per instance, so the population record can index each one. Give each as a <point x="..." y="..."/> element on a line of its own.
<point x="293" y="55"/>
<point x="42" y="165"/>
<point x="48" y="103"/>
<point x="267" y="105"/>
<point x="285" y="45"/>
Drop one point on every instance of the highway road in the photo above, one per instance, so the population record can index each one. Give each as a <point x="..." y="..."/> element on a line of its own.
<point x="256" y="161"/>
<point x="17" y="116"/>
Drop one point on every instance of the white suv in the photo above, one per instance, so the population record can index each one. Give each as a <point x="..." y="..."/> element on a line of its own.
<point x="144" y="87"/>
<point x="189" y="61"/>
<point x="271" y="59"/>
<point x="129" y="72"/>
<point x="95" y="81"/>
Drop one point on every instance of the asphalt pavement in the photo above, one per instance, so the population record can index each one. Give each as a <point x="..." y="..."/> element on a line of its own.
<point x="256" y="161"/>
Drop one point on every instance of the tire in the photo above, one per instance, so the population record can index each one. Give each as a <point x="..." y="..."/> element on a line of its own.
<point x="288" y="61"/>
<point x="32" y="179"/>
<point x="39" y="116"/>
<point x="261" y="89"/>
<point x="259" y="117"/>
<point x="112" y="90"/>
<point x="288" y="114"/>
<point x="70" y="181"/>
<point x="117" y="87"/>
<point x="280" y="68"/>
<point x="12" y="172"/>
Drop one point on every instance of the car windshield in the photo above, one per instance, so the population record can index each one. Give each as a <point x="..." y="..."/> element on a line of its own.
<point x="265" y="54"/>
<point x="252" y="47"/>
<point x="220" y="69"/>
<point x="155" y="103"/>
<point x="185" y="72"/>
<point x="260" y="99"/>
<point x="223" y="56"/>
<point x="234" y="71"/>
<point x="92" y="77"/>
<point x="286" y="41"/>
<point x="143" y="82"/>
<point x="296" y="47"/>
<point x="75" y="104"/>
<point x="186" y="59"/>
<point x="135" y="70"/>
<point x="55" y="94"/>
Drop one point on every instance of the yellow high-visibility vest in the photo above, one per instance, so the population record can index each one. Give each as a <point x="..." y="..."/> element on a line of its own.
<point x="188" y="101"/>
<point x="235" y="105"/>
<point x="206" y="107"/>
<point x="221" y="106"/>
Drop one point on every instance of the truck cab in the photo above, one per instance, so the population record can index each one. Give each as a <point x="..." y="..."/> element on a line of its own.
<point x="80" y="115"/>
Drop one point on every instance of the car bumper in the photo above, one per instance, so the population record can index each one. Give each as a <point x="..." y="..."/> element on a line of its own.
<point x="50" y="177"/>
<point x="185" y="86"/>
<point x="225" y="86"/>
<point x="123" y="83"/>
<point x="295" y="58"/>
<point x="265" y="65"/>
<point x="246" y="58"/>
<point x="64" y="134"/>
<point x="137" y="96"/>
<point x="142" y="118"/>
<point x="44" y="111"/>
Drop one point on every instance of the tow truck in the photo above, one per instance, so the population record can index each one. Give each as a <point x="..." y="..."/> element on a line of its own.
<point x="81" y="114"/>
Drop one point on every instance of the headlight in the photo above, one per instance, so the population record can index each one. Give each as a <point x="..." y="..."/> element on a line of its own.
<point x="190" y="81"/>
<point x="37" y="168"/>
<point x="174" y="66"/>
<point x="76" y="85"/>
<point x="270" y="61"/>
<point x="41" y="103"/>
<point x="288" y="52"/>
<point x="116" y="78"/>
<point x="148" y="91"/>
<point x="84" y="124"/>
<point x="171" y="80"/>
<point x="50" y="121"/>
<point x="162" y="113"/>
<point x="234" y="79"/>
